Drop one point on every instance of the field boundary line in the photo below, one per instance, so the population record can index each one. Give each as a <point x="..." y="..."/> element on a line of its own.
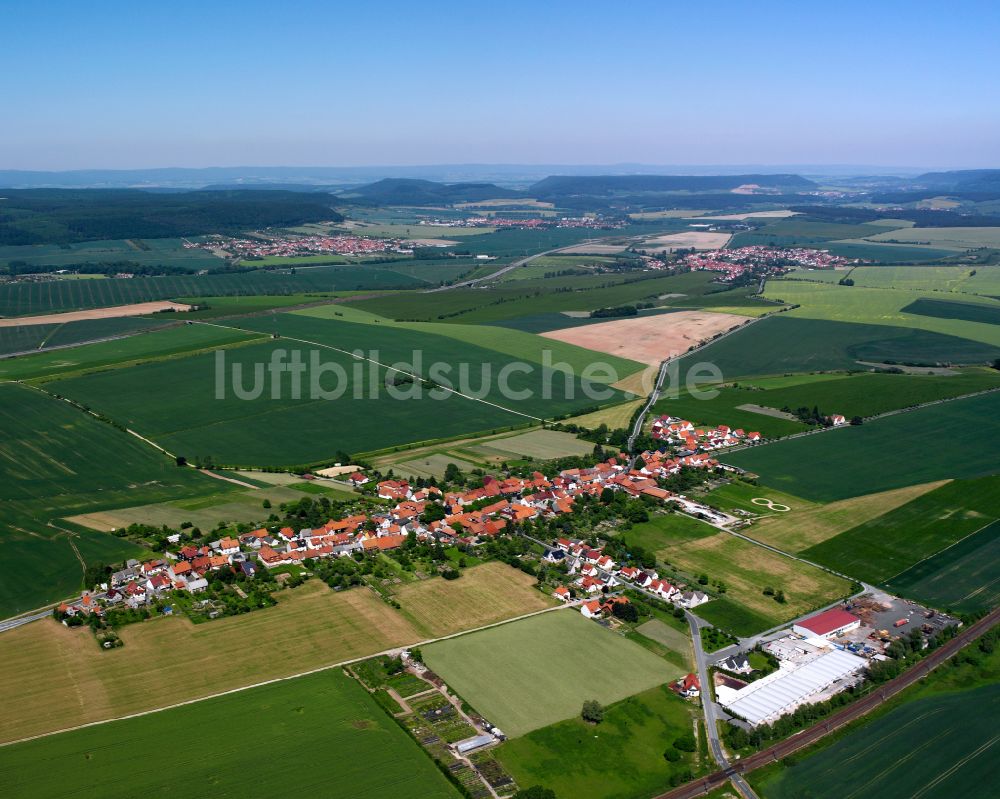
<point x="390" y="369"/>
<point x="272" y="681"/>
<point x="935" y="554"/>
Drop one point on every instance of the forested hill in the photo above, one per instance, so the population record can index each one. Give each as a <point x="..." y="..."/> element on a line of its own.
<point x="604" y="185"/>
<point x="412" y="191"/>
<point x="963" y="179"/>
<point x="62" y="216"/>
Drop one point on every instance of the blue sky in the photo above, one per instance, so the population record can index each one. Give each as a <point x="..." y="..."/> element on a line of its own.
<point x="129" y="85"/>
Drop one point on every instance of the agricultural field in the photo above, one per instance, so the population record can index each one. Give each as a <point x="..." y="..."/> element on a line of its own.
<point x="375" y="758"/>
<point x="196" y="424"/>
<point x="785" y="344"/>
<point x="955" y="279"/>
<point x="64" y="678"/>
<point x="621" y="757"/>
<point x="514" y="343"/>
<point x="24" y="299"/>
<point x="884" y="547"/>
<point x="31" y="338"/>
<point x="808" y="523"/>
<point x="948" y="309"/>
<point x="511" y="300"/>
<point x="649" y="339"/>
<point x="877" y="307"/>
<point x="733" y="617"/>
<point x="851" y="461"/>
<point x="862" y="395"/>
<point x="484" y="594"/>
<point x="947" y="238"/>
<point x="48" y="451"/>
<point x="748" y="569"/>
<point x="935" y="747"/>
<point x="531" y="673"/>
<point x="799" y="232"/>
<point x="666" y="530"/>
<point x="541" y="445"/>
<point x="130" y="351"/>
<point x="169" y="253"/>
<point x="964" y="577"/>
<point x="616" y="417"/>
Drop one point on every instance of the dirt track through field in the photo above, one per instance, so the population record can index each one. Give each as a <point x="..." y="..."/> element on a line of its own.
<point x="649" y="339"/>
<point x="136" y="309"/>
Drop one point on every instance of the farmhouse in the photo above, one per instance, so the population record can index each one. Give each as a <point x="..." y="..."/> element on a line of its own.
<point x="829" y="624"/>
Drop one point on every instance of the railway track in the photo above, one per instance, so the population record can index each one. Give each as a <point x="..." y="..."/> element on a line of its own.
<point x="853" y="711"/>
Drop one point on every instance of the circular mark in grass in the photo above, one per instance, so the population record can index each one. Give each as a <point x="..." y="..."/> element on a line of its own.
<point x="770" y="504"/>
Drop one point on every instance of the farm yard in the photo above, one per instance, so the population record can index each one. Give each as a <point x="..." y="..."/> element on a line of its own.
<point x="65" y="679"/>
<point x="620" y="757"/>
<point x="852" y="461"/>
<point x="487" y="593"/>
<point x="375" y="758"/>
<point x="540" y="670"/>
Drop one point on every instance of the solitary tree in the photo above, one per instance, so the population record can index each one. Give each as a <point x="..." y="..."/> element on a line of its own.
<point x="592" y="711"/>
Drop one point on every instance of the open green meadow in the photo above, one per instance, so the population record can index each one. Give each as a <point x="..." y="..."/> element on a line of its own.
<point x="877" y="307"/>
<point x="541" y="445"/>
<point x="531" y="673"/>
<point x="949" y="238"/>
<point x="666" y="530"/>
<point x="620" y="758"/>
<point x="954" y="439"/>
<point x="965" y="577"/>
<point x="374" y="757"/>
<point x="784" y="344"/>
<point x="172" y="342"/>
<point x="888" y="545"/>
<point x="937" y="747"/>
<point x="739" y="495"/>
<point x="56" y="461"/>
<point x="733" y="617"/>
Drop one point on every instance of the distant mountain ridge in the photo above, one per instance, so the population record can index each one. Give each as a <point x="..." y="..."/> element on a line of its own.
<point x="604" y="185"/>
<point x="412" y="191"/>
<point x="962" y="179"/>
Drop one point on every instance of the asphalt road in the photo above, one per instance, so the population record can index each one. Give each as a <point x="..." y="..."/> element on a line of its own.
<point x="11" y="624"/>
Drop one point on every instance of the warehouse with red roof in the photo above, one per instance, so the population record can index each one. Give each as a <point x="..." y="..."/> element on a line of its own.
<point x="828" y="624"/>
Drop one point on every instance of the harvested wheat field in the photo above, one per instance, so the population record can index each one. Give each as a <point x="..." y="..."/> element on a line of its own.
<point x="63" y="679"/>
<point x="483" y="595"/>
<point x="697" y="239"/>
<point x="615" y="417"/>
<point x="797" y="532"/>
<point x="137" y="309"/>
<point x="649" y="339"/>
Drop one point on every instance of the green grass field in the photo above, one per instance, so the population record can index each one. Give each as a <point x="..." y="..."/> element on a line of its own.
<point x="949" y="309"/>
<point x="621" y="758"/>
<point x="888" y="545"/>
<point x="949" y="238"/>
<point x="964" y="577"/>
<point x="531" y="673"/>
<point x="374" y="757"/>
<point x="953" y="439"/>
<point x="134" y="349"/>
<point x="57" y="461"/>
<point x="936" y="747"/>
<point x="785" y="344"/>
<point x="667" y="530"/>
<point x="734" y="617"/>
<point x="738" y="494"/>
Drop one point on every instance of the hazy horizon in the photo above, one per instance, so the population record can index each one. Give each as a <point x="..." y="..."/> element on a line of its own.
<point x="120" y="86"/>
